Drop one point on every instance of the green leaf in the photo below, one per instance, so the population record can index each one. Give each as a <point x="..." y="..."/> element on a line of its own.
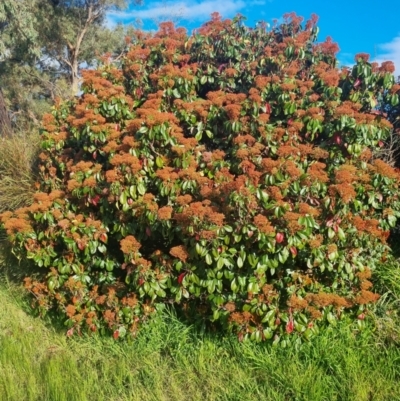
<point x="176" y="93"/>
<point x="234" y="286"/>
<point x="199" y="248"/>
<point x="220" y="263"/>
<point x="132" y="191"/>
<point x="178" y="295"/>
<point x="268" y="316"/>
<point x="331" y="233"/>
<point x="211" y="286"/>
<point x="123" y="198"/>
<point x="392" y="220"/>
<point x="268" y="333"/>
<point x="51" y="284"/>
<point x="331" y="318"/>
<point x="159" y="162"/>
<point x="141" y="188"/>
<point x="341" y="234"/>
<point x="216" y="315"/>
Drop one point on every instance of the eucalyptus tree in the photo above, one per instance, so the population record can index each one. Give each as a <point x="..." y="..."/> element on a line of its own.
<point x="43" y="45"/>
<point x="18" y="35"/>
<point x="77" y="33"/>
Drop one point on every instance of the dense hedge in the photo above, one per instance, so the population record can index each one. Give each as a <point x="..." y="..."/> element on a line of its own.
<point x="229" y="174"/>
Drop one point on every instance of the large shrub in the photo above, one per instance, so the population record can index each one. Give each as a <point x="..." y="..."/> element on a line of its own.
<point x="229" y="174"/>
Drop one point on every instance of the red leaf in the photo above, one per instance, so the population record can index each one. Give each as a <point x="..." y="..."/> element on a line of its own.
<point x="181" y="277"/>
<point x="267" y="108"/>
<point x="293" y="250"/>
<point x="337" y="138"/>
<point x="289" y="326"/>
<point x="95" y="200"/>
<point x="116" y="334"/>
<point x="221" y="67"/>
<point x="329" y="223"/>
<point x="279" y="238"/>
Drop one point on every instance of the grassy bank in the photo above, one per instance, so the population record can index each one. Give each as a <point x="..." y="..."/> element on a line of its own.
<point x="170" y="361"/>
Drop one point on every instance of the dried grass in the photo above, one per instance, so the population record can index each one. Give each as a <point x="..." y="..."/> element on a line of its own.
<point x="18" y="170"/>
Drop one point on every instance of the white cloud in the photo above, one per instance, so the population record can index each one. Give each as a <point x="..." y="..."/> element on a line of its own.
<point x="390" y="52"/>
<point x="192" y="10"/>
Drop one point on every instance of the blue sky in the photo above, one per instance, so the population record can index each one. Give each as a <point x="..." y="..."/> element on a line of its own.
<point x="368" y="26"/>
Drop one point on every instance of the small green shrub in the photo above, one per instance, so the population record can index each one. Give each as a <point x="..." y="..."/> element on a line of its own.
<point x="229" y="174"/>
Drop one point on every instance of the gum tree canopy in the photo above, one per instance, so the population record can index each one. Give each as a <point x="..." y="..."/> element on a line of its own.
<point x="42" y="45"/>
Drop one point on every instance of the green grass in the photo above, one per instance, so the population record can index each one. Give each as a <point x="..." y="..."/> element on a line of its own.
<point x="170" y="361"/>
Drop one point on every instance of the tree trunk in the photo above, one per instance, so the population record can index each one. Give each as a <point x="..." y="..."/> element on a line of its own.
<point x="5" y="122"/>
<point x="75" y="77"/>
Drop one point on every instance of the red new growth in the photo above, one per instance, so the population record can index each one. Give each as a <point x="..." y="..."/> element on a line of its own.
<point x="279" y="238"/>
<point x="337" y="138"/>
<point x="95" y="200"/>
<point x="181" y="277"/>
<point x="289" y="326"/>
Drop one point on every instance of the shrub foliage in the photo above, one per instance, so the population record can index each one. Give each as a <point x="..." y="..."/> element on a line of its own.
<point x="228" y="173"/>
